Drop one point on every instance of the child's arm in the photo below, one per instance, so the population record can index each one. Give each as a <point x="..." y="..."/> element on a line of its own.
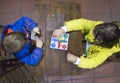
<point x="78" y="24"/>
<point x="95" y="60"/>
<point x="84" y="25"/>
<point x="34" y="58"/>
<point x="24" y="55"/>
<point x="36" y="55"/>
<point x="91" y="61"/>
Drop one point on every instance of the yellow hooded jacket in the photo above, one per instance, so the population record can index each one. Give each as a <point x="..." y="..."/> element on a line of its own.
<point x="96" y="55"/>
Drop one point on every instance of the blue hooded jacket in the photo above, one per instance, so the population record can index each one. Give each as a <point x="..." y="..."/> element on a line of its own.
<point x="25" y="24"/>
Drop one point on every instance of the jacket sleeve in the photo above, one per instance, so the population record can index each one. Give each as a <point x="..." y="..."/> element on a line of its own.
<point x="34" y="58"/>
<point x="25" y="22"/>
<point x="95" y="60"/>
<point x="81" y="24"/>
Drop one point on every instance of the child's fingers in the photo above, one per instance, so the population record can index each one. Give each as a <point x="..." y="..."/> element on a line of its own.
<point x="39" y="40"/>
<point x="70" y="57"/>
<point x="39" y="43"/>
<point x="55" y="33"/>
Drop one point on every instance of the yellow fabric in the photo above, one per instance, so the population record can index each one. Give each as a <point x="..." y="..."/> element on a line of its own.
<point x="96" y="55"/>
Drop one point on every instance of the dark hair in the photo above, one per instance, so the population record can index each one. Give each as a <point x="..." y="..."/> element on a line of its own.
<point x="106" y="34"/>
<point x="14" y="41"/>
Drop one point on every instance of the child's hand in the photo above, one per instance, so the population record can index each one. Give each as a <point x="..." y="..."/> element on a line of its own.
<point x="58" y="32"/>
<point x="39" y="43"/>
<point x="71" y="58"/>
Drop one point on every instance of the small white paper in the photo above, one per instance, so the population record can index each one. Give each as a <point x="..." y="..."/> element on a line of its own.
<point x="33" y="37"/>
<point x="60" y="43"/>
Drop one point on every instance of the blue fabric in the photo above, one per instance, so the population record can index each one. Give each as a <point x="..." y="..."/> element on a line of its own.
<point x="25" y="24"/>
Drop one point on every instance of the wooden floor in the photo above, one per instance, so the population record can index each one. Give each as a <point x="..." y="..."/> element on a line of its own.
<point x="105" y="10"/>
<point x="17" y="75"/>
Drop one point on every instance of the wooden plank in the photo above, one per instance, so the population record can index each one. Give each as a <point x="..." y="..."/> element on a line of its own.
<point x="27" y="75"/>
<point x="52" y="58"/>
<point x="15" y="77"/>
<point x="55" y="8"/>
<point x="1" y="80"/>
<point x="75" y="44"/>
<point x="40" y="16"/>
<point x="21" y="75"/>
<point x="74" y="11"/>
<point x="55" y="56"/>
<point x="40" y="12"/>
<point x="54" y="61"/>
<point x="5" y="79"/>
<point x="1" y="28"/>
<point x="75" y="48"/>
<point x="11" y="79"/>
<point x="54" y="22"/>
<point x="2" y="53"/>
<point x="70" y="11"/>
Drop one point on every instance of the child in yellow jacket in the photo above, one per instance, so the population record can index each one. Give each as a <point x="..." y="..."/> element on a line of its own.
<point x="104" y="38"/>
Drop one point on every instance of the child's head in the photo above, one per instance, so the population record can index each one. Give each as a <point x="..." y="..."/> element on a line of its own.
<point x="14" y="41"/>
<point x="106" y="34"/>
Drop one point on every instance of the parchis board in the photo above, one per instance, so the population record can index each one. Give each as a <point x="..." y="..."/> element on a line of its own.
<point x="60" y="43"/>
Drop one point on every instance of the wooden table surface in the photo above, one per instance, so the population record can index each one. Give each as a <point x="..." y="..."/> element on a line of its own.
<point x="51" y="15"/>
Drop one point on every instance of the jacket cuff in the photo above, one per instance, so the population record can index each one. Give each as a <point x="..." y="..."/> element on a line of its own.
<point x="77" y="61"/>
<point x="35" y="27"/>
<point x="39" y="48"/>
<point x="64" y="28"/>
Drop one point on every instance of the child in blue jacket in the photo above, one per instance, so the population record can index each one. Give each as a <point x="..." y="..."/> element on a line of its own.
<point x="16" y="40"/>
